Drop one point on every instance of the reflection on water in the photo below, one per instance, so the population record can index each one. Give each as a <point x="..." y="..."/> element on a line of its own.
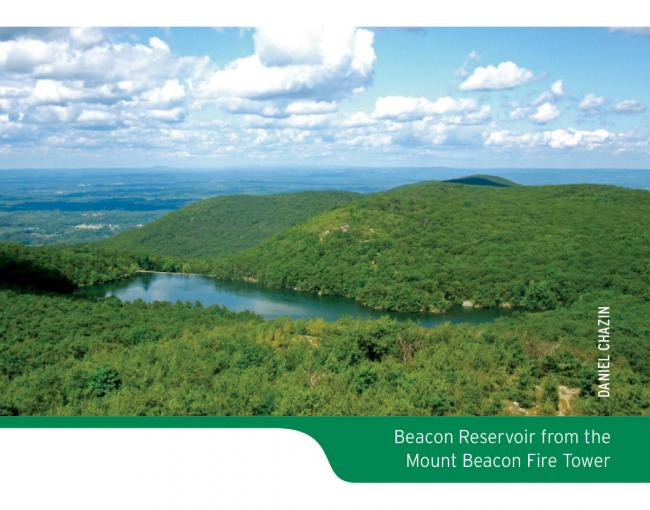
<point x="269" y="303"/>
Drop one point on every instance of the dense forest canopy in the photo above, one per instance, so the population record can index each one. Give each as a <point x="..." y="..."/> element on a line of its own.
<point x="61" y="268"/>
<point x="64" y="355"/>
<point x="561" y="250"/>
<point x="432" y="245"/>
<point x="224" y="225"/>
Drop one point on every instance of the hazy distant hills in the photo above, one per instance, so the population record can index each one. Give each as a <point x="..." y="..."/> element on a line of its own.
<point x="484" y="180"/>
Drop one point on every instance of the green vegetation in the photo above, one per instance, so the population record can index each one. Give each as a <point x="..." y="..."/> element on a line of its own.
<point x="64" y="355"/>
<point x="224" y="225"/>
<point x="61" y="268"/>
<point x="432" y="245"/>
<point x="484" y="180"/>
<point x="561" y="250"/>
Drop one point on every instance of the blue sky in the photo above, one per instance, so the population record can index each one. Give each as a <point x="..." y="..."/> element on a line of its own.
<point x="462" y="97"/>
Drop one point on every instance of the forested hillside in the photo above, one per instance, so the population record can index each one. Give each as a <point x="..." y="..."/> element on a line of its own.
<point x="64" y="355"/>
<point x="431" y="245"/>
<point x="560" y="250"/>
<point x="61" y="268"/>
<point x="225" y="224"/>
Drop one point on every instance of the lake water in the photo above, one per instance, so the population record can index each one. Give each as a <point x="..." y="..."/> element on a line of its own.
<point x="269" y="303"/>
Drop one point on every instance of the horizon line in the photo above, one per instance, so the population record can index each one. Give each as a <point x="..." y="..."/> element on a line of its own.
<point x="323" y="168"/>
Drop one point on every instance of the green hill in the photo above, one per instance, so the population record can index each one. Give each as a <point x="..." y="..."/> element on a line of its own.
<point x="61" y="268"/>
<point x="425" y="246"/>
<point x="484" y="180"/>
<point x="225" y="224"/>
<point x="432" y="245"/>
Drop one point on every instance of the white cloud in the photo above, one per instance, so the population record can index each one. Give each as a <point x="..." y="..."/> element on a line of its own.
<point x="403" y="108"/>
<point x="557" y="88"/>
<point x="171" y="92"/>
<point x="555" y="139"/>
<point x="310" y="107"/>
<point x="51" y="114"/>
<point x="629" y="106"/>
<point x="370" y="140"/>
<point x="64" y="58"/>
<point x="96" y="116"/>
<point x="545" y="112"/>
<point x="173" y="115"/>
<point x="555" y="92"/>
<point x="519" y="112"/>
<point x="358" y="119"/>
<point x="504" y="76"/>
<point x="86" y="36"/>
<point x="463" y="71"/>
<point x="158" y="44"/>
<point x="563" y="138"/>
<point x="591" y="103"/>
<point x="301" y="122"/>
<point x="472" y="117"/>
<point x="51" y="91"/>
<point x="276" y="109"/>
<point x="88" y="80"/>
<point x="97" y="119"/>
<point x="64" y="89"/>
<point x="320" y="65"/>
<point x="251" y="107"/>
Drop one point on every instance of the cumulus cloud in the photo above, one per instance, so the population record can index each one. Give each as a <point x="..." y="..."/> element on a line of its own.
<point x="555" y="139"/>
<point x="504" y="76"/>
<point x="403" y="108"/>
<point x="51" y="114"/>
<point x="299" y="122"/>
<point x="173" y="115"/>
<point x="591" y="103"/>
<point x="276" y="109"/>
<point x="87" y="90"/>
<point x="95" y="116"/>
<point x="358" y="120"/>
<point x="545" y="112"/>
<point x="629" y="106"/>
<point x="87" y="80"/>
<point x="86" y="36"/>
<point x="557" y="88"/>
<point x="97" y="119"/>
<point x="103" y="62"/>
<point x="555" y="92"/>
<point x="319" y="65"/>
<point x="51" y="91"/>
<point x="158" y="44"/>
<point x="171" y="92"/>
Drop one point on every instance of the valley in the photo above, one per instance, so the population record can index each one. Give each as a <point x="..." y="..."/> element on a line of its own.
<point x="85" y="332"/>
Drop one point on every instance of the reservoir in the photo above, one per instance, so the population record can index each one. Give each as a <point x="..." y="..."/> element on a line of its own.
<point x="267" y="302"/>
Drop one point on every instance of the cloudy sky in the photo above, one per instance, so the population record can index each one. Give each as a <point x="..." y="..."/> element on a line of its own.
<point x="325" y="97"/>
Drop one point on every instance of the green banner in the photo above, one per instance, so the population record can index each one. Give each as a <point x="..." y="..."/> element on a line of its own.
<point x="440" y="449"/>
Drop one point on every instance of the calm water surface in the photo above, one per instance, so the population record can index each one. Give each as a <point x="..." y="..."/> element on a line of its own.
<point x="269" y="303"/>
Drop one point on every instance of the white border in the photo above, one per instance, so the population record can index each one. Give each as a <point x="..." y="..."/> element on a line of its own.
<point x="257" y="469"/>
<point x="348" y="12"/>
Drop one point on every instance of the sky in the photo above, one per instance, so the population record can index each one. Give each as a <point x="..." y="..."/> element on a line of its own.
<point x="334" y="96"/>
